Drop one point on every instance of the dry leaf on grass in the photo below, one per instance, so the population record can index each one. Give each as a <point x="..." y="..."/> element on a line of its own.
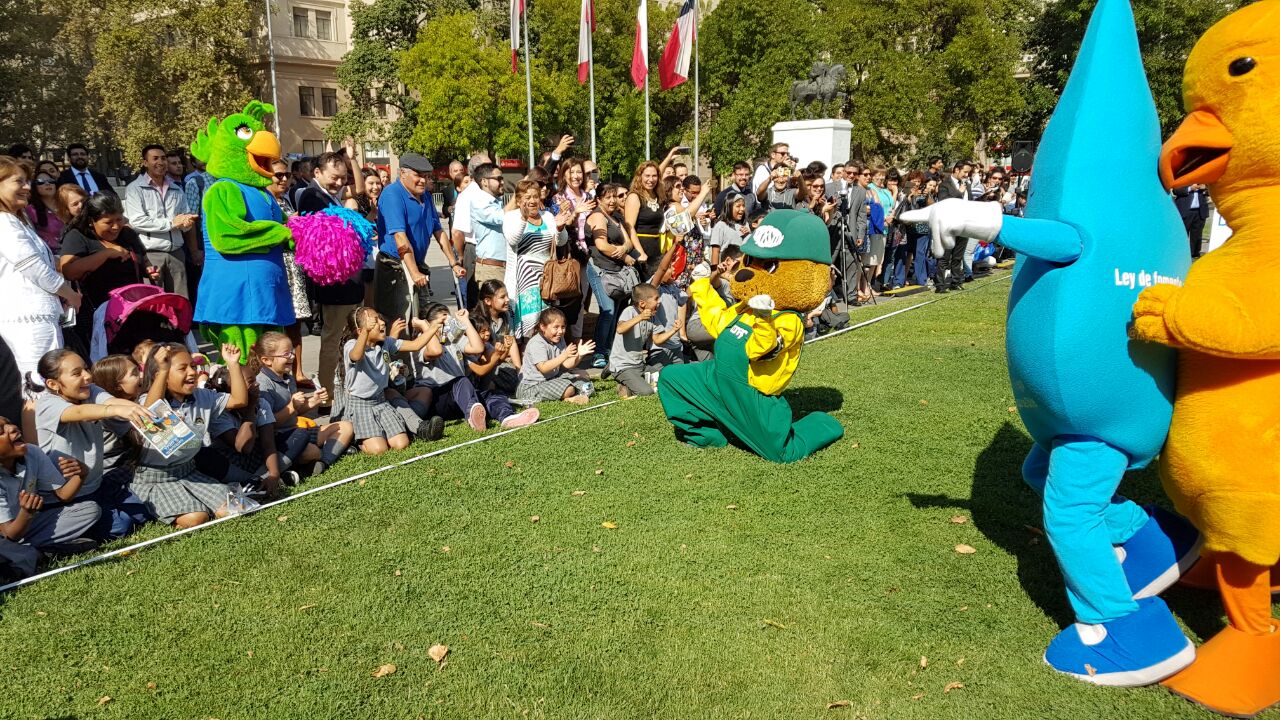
<point x="599" y="471"/>
<point x="534" y="518"/>
<point x="609" y="525"/>
<point x="952" y="686"/>
<point x="579" y="493"/>
<point x="509" y="464"/>
<point x="249" y="653"/>
<point x="397" y="646"/>
<point x="384" y="670"/>
<point x="773" y="623"/>
<point x="306" y="607"/>
<point x="730" y="507"/>
<point x="838" y="704"/>
<point x="151" y="686"/>
<point x="924" y="662"/>
<point x="537" y="624"/>
<point x="398" y="573"/>
<point x="437" y="652"/>
<point x="917" y="696"/>
<point x="966" y="549"/>
<point x="282" y="518"/>
<point x="959" y="662"/>
<point x="41" y="613"/>
<point x="923" y="403"/>
<point x="959" y="519"/>
<point x="104" y="699"/>
<point x="1013" y="409"/>
<point x="631" y="443"/>
<point x="855" y="446"/>
<point x="361" y="481"/>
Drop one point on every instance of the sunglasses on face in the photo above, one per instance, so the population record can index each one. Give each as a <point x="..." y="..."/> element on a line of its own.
<point x="44" y="182"/>
<point x="281" y="176"/>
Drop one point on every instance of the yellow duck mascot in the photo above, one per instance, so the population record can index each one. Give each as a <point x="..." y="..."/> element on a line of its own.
<point x="1221" y="464"/>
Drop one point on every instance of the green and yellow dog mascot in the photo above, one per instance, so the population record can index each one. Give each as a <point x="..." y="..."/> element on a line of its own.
<point x="737" y="396"/>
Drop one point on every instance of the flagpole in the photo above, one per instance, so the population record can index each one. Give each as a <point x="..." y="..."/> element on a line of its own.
<point x="528" y="86"/>
<point x="695" y="86"/>
<point x="647" y="154"/>
<point x="591" y="72"/>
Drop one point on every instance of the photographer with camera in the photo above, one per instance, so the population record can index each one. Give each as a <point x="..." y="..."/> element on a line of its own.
<point x="779" y="193"/>
<point x="779" y="156"/>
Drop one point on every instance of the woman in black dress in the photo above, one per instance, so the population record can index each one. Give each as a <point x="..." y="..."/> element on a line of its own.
<point x="101" y="252"/>
<point x="642" y="218"/>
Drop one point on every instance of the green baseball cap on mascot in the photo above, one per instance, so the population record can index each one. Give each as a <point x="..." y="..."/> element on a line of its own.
<point x="790" y="235"/>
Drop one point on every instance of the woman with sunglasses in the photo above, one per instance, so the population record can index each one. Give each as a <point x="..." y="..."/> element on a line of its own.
<point x="279" y="187"/>
<point x="45" y="211"/>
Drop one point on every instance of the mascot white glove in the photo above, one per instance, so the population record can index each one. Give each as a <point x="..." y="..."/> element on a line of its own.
<point x="702" y="270"/>
<point x="762" y="303"/>
<point x="954" y="218"/>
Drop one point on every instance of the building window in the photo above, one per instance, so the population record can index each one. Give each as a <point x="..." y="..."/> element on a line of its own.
<point x="307" y="101"/>
<point x="376" y="151"/>
<point x="329" y="101"/>
<point x="300" y="25"/>
<point x="313" y="148"/>
<point x="324" y="25"/>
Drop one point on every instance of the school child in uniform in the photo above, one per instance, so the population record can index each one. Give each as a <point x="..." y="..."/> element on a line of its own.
<point x="442" y="369"/>
<point x="321" y="446"/>
<point x="28" y="479"/>
<point x="366" y="346"/>
<point x="637" y="329"/>
<point x="173" y="489"/>
<point x="673" y="305"/>
<point x="120" y="376"/>
<point x="483" y="366"/>
<point x="494" y="310"/>
<point x="550" y="370"/>
<point x="70" y="411"/>
<point x="246" y="438"/>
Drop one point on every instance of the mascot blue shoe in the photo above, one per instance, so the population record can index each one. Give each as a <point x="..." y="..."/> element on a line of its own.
<point x="1159" y="553"/>
<point x="1096" y="403"/>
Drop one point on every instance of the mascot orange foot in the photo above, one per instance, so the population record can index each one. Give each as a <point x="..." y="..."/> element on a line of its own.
<point x="1221" y="464"/>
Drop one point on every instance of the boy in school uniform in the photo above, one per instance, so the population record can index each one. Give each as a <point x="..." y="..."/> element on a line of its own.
<point x="629" y="359"/>
<point x="28" y="479"/>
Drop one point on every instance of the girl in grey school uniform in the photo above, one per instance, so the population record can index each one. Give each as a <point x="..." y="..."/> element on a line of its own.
<point x="29" y="479"/>
<point x="173" y="489"/>
<point x="550" y="370"/>
<point x="70" y="411"/>
<point x="366" y="347"/>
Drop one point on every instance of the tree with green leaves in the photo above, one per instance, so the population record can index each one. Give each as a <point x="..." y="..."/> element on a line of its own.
<point x="160" y="69"/>
<point x="44" y="100"/>
<point x="381" y="33"/>
<point x="1167" y="30"/>
<point x="468" y="97"/>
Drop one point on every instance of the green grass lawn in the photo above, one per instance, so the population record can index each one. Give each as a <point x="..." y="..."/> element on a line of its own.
<point x="730" y="588"/>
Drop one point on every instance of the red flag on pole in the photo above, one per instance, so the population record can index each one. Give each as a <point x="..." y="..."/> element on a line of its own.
<point x="640" y="56"/>
<point x="517" y="9"/>
<point x="673" y="67"/>
<point x="586" y="26"/>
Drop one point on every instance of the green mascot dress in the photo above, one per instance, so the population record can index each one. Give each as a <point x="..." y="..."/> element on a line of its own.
<point x="244" y="290"/>
<point x="737" y="395"/>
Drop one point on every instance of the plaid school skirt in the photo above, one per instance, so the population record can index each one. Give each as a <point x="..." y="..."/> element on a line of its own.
<point x="373" y="418"/>
<point x="177" y="490"/>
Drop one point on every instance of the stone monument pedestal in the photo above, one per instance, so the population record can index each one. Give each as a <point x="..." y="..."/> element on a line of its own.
<point x="825" y="140"/>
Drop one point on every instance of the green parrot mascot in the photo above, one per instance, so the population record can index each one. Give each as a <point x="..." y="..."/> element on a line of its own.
<point x="243" y="291"/>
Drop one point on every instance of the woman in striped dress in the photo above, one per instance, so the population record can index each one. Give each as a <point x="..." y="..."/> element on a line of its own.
<point x="530" y="231"/>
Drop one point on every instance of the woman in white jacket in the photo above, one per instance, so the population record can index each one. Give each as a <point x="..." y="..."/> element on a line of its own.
<point x="531" y="234"/>
<point x="30" y="285"/>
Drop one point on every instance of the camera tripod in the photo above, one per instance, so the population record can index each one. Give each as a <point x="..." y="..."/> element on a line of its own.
<point x="844" y="247"/>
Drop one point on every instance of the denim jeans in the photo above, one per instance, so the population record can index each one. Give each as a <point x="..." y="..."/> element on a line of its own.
<point x="607" y="322"/>
<point x="924" y="264"/>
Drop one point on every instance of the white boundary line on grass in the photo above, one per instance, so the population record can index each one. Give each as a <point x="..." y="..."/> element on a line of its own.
<point x="124" y="551"/>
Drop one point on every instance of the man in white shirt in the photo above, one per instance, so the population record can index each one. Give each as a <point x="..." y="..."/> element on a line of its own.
<point x="485" y="214"/>
<point x="779" y="155"/>
<point x="92" y="181"/>
<point x="157" y="208"/>
<point x="461" y="230"/>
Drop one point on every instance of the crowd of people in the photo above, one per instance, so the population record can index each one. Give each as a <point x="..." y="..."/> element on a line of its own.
<point x="530" y="262"/>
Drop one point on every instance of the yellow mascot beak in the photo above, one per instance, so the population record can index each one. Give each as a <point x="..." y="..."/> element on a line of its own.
<point x="1197" y="153"/>
<point x="263" y="149"/>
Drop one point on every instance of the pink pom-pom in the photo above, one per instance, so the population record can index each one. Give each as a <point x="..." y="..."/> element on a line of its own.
<point x="326" y="248"/>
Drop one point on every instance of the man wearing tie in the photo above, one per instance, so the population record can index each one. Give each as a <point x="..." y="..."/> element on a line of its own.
<point x="81" y="174"/>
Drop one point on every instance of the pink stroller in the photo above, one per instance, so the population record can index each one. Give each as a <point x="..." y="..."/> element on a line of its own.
<point x="134" y="313"/>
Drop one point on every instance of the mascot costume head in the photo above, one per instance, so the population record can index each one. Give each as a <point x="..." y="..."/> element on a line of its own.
<point x="737" y="396"/>
<point x="1095" y="402"/>
<point x="1222" y="462"/>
